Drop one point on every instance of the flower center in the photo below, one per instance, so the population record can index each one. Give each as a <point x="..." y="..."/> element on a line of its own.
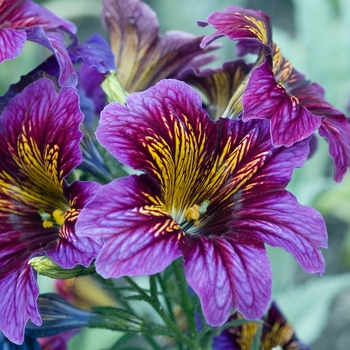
<point x="193" y="214"/>
<point x="54" y="219"/>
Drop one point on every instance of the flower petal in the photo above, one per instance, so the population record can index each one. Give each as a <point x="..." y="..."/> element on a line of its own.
<point x="95" y="52"/>
<point x="26" y="13"/>
<point x="69" y="249"/>
<point x="142" y="237"/>
<point x="56" y="133"/>
<point x="240" y="24"/>
<point x="336" y="130"/>
<point x="142" y="57"/>
<point x="266" y="98"/>
<point x="155" y="131"/>
<point x="54" y="41"/>
<point x="225" y="274"/>
<point x="19" y="292"/>
<point x="11" y="43"/>
<point x="280" y="221"/>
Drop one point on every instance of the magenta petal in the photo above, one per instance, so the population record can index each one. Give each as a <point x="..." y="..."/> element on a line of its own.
<point x="11" y="43"/>
<point x="266" y="98"/>
<point x="124" y="130"/>
<point x="225" y="275"/>
<point x="19" y="292"/>
<point x="236" y="23"/>
<point x="142" y="237"/>
<point x="54" y="41"/>
<point x="26" y="13"/>
<point x="70" y="250"/>
<point x="57" y="117"/>
<point x="336" y="130"/>
<point x="280" y="221"/>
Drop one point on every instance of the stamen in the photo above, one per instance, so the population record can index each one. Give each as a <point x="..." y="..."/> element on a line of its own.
<point x="58" y="215"/>
<point x="56" y="219"/>
<point x="193" y="214"/>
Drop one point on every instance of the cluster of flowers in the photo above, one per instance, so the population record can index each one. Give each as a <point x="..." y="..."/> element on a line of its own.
<point x="214" y="173"/>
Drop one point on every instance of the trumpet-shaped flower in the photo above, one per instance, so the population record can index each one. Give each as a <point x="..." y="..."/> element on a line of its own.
<point x="276" y="333"/>
<point x="142" y="56"/>
<point x="212" y="192"/>
<point x="276" y="91"/>
<point x="39" y="146"/>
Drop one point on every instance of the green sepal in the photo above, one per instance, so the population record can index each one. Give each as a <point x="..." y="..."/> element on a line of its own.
<point x="113" y="89"/>
<point x="45" y="266"/>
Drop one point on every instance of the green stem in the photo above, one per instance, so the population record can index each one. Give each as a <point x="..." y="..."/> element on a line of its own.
<point x="116" y="291"/>
<point x="178" y="334"/>
<point x="169" y="307"/>
<point x="187" y="301"/>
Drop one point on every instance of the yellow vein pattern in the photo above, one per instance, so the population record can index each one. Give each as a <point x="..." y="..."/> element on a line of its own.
<point x="38" y="183"/>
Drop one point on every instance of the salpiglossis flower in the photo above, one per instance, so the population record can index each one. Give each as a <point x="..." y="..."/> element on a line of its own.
<point x="276" y="333"/>
<point x="211" y="192"/>
<point x="39" y="146"/>
<point x="274" y="90"/>
<point x="142" y="56"/>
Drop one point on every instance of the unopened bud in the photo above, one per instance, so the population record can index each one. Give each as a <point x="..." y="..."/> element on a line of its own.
<point x="45" y="266"/>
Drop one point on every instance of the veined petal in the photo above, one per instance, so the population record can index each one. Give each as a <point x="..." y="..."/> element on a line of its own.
<point x="26" y="13"/>
<point x="69" y="249"/>
<point x="241" y="24"/>
<point x="11" y="43"/>
<point x="266" y="98"/>
<point x="142" y="236"/>
<point x="225" y="273"/>
<point x="95" y="52"/>
<point x="40" y="128"/>
<point x="17" y="17"/>
<point x="39" y="145"/>
<point x="19" y="292"/>
<point x="336" y="130"/>
<point x="165" y="128"/>
<point x="142" y="57"/>
<point x="280" y="221"/>
<point x="335" y="126"/>
<point x="54" y="41"/>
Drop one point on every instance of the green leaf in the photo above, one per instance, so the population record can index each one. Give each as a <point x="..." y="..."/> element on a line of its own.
<point x="134" y="297"/>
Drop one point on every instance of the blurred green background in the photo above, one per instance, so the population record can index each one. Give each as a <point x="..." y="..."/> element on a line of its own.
<point x="314" y="36"/>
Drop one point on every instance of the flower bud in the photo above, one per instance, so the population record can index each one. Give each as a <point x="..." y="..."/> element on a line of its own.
<point x="45" y="266"/>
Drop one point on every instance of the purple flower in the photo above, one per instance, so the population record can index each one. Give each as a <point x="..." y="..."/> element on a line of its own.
<point x="212" y="192"/>
<point x="274" y="90"/>
<point x="39" y="145"/>
<point x="142" y="56"/>
<point x="276" y="333"/>
<point x="23" y="20"/>
<point x="296" y="109"/>
<point x="252" y="29"/>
